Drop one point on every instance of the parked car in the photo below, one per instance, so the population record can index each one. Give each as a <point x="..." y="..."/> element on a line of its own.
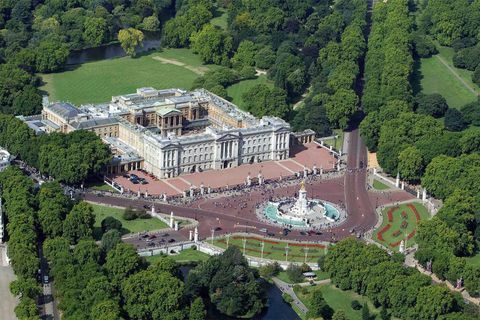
<point x="45" y="279"/>
<point x="144" y="182"/>
<point x="264" y="230"/>
<point x="152" y="236"/>
<point x="171" y="240"/>
<point x="133" y="176"/>
<point x="303" y="233"/>
<point x="134" y="181"/>
<point x="271" y="234"/>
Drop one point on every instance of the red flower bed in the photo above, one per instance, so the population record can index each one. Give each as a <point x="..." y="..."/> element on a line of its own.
<point x="395" y="244"/>
<point x="309" y="245"/>
<point x="404" y="224"/>
<point x="381" y="232"/>
<point x="397" y="233"/>
<point x="415" y="211"/>
<point x="390" y="214"/>
<point x="404" y="215"/>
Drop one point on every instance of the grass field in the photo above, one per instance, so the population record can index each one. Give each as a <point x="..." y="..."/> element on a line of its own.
<point x="282" y="275"/>
<point x="137" y="225"/>
<point x="378" y="185"/>
<point x="474" y="261"/>
<point x="274" y="250"/>
<point x="188" y="255"/>
<point x="100" y="186"/>
<point x="336" y="143"/>
<point x="438" y="78"/>
<point x="391" y="232"/>
<point x="337" y="299"/>
<point x="236" y="90"/>
<point x="98" y="81"/>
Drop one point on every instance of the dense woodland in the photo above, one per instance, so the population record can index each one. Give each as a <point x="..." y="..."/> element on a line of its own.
<point x="419" y="136"/>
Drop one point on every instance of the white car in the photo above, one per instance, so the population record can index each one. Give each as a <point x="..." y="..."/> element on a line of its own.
<point x="264" y="230"/>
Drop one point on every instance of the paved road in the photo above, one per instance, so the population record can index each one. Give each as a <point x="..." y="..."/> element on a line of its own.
<point x="287" y="288"/>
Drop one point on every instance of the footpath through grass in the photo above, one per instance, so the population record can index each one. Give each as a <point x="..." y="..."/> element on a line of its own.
<point x="185" y="256"/>
<point x="98" y="81"/>
<point x="436" y="77"/>
<point x="399" y="223"/>
<point x="128" y="226"/>
<point x="337" y="299"/>
<point x="274" y="250"/>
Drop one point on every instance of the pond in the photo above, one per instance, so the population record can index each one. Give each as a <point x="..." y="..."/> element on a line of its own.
<point x="277" y="308"/>
<point x="110" y="51"/>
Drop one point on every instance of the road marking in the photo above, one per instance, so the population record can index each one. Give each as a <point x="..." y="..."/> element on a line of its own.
<point x="187" y="182"/>
<point x="284" y="167"/>
<point x="172" y="186"/>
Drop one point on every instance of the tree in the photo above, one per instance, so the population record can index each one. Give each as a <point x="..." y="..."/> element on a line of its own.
<point x="95" y="31"/>
<point x="341" y="106"/>
<point x="454" y="120"/>
<point x="26" y="309"/>
<point x="365" y="312"/>
<point x="476" y="76"/>
<point x="79" y="223"/>
<point x="264" y="58"/>
<point x="25" y="287"/>
<point x="27" y="102"/>
<point x="197" y="310"/>
<point x="262" y="101"/>
<point x="431" y="104"/>
<point x="110" y="223"/>
<point x="212" y="44"/>
<point x="110" y="239"/>
<point x="269" y="270"/>
<point x="151" y="24"/>
<point x="13" y="81"/>
<point x="50" y="56"/>
<point x="470" y="140"/>
<point x="121" y="262"/>
<point x="319" y="307"/>
<point x="106" y="310"/>
<point x="410" y="164"/>
<point x="295" y="273"/>
<point x="434" y="301"/>
<point x="245" y="55"/>
<point x="339" y="315"/>
<point x="471" y="113"/>
<point x="130" y="39"/>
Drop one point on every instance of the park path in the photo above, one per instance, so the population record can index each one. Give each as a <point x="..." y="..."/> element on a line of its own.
<point x="288" y="289"/>
<point x="411" y="262"/>
<point x="465" y="84"/>
<point x="198" y="70"/>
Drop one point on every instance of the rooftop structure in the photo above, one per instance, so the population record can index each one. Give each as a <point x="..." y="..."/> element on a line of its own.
<point x="172" y="131"/>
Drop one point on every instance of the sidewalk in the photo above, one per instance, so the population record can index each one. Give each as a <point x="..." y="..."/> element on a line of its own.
<point x="288" y="289"/>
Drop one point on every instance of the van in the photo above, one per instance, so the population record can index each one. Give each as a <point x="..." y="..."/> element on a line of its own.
<point x="264" y="230"/>
<point x="45" y="279"/>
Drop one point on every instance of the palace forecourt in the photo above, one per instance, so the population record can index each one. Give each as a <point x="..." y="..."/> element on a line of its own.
<point x="184" y="137"/>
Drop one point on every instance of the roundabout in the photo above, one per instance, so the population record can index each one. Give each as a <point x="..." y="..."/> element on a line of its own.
<point x="300" y="212"/>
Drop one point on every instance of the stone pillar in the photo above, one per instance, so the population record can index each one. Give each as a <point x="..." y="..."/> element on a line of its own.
<point x="397" y="180"/>
<point x="249" y="180"/>
<point x="191" y="191"/>
<point x="321" y="143"/>
<point x="165" y="197"/>
<point x="331" y="148"/>
<point x="171" y="219"/>
<point x="153" y="209"/>
<point x="202" y="189"/>
<point x="418" y="194"/>
<point x="321" y="170"/>
<point x="374" y="170"/>
<point x="260" y="179"/>
<point x="195" y="235"/>
<point x="146" y="193"/>
<point x="190" y="235"/>
<point x="424" y="195"/>
<point x="338" y="165"/>
<point x="403" y="185"/>
<point x="314" y="169"/>
<point x="305" y="172"/>
<point x="176" y="225"/>
<point x="209" y="190"/>
<point x="138" y="194"/>
<point x="184" y="194"/>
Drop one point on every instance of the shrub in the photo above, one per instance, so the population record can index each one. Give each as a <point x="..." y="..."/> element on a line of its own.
<point x="294" y="272"/>
<point x="110" y="223"/>
<point x="356" y="305"/>
<point x="129" y="214"/>
<point x="142" y="214"/>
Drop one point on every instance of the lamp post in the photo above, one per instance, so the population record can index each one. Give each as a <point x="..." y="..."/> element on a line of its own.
<point x="286" y="253"/>
<point x="213" y="234"/>
<point x="262" y="245"/>
<point x="306" y="254"/>
<point x="228" y="239"/>
<point x="244" y="244"/>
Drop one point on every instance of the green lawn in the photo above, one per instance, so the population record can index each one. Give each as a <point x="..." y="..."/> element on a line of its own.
<point x="337" y="299"/>
<point x="188" y="255"/>
<point x="389" y="238"/>
<point x="98" y="81"/>
<point x="236" y="90"/>
<point x="137" y="225"/>
<point x="100" y="186"/>
<point x="378" y="185"/>
<point x="220" y="18"/>
<point x="336" y="143"/>
<point x="437" y="78"/>
<point x="273" y="250"/>
<point x="475" y="260"/>
<point x="282" y="275"/>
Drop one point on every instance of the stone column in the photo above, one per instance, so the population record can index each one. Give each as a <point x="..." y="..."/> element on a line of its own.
<point x="305" y="172"/>
<point x="403" y="185"/>
<point x="171" y="219"/>
<point x="202" y="189"/>
<point x="418" y="194"/>
<point x="176" y="225"/>
<point x="153" y="209"/>
<point x="190" y="235"/>
<point x="397" y="180"/>
<point x="314" y="169"/>
<point x="424" y="195"/>
<point x="195" y="235"/>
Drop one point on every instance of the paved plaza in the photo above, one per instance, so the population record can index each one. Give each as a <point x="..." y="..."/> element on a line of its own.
<point x="308" y="156"/>
<point x="7" y="300"/>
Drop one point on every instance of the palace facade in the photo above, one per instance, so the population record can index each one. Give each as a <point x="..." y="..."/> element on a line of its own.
<point x="170" y="132"/>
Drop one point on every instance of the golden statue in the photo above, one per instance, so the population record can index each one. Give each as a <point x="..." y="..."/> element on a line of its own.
<point x="302" y="185"/>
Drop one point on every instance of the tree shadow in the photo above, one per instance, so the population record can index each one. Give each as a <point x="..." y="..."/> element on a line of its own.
<point x="416" y="77"/>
